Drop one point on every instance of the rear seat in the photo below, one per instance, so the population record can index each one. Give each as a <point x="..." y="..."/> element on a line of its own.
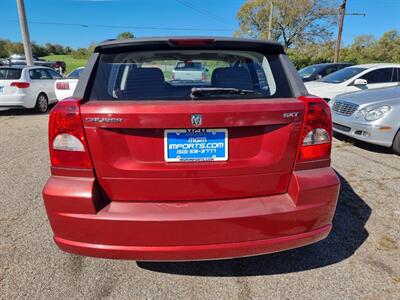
<point x="145" y="83"/>
<point x="232" y="77"/>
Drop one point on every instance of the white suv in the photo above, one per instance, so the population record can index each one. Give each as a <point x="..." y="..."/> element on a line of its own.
<point x="27" y="87"/>
<point x="354" y="79"/>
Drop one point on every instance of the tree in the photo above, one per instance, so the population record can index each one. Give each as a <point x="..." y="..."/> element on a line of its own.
<point x="125" y="35"/>
<point x="294" y="22"/>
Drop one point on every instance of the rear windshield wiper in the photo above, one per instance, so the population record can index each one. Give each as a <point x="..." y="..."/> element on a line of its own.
<point x="208" y="92"/>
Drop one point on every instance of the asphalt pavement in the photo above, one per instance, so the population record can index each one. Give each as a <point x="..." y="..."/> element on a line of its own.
<point x="359" y="260"/>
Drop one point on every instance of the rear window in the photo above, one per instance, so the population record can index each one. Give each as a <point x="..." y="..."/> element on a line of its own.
<point x="151" y="75"/>
<point x="189" y="66"/>
<point x="10" y="74"/>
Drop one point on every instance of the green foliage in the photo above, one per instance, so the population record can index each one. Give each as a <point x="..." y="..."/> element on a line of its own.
<point x="125" y="35"/>
<point x="81" y="53"/>
<point x="364" y="49"/>
<point x="71" y="62"/>
<point x="294" y="22"/>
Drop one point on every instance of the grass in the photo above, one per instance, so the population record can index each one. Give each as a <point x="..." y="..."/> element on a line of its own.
<point x="71" y="62"/>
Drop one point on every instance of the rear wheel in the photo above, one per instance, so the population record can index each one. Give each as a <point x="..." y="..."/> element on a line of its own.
<point x="396" y="143"/>
<point x="42" y="104"/>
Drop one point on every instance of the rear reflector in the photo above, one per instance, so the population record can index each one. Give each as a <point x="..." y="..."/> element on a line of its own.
<point x="316" y="138"/>
<point x="191" y="42"/>
<point x="20" y="85"/>
<point x="62" y="86"/>
<point x="67" y="141"/>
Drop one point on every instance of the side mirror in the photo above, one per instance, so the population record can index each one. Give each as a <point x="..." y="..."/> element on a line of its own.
<point x="360" y="82"/>
<point x="318" y="76"/>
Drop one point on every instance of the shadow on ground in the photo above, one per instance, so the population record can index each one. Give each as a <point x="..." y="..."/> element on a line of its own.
<point x="363" y="145"/>
<point x="22" y="112"/>
<point x="347" y="236"/>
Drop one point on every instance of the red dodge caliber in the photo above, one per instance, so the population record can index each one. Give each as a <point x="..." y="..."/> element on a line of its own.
<point x="225" y="156"/>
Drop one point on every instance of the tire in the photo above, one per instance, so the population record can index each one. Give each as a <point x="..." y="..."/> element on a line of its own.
<point x="42" y="104"/>
<point x="396" y="143"/>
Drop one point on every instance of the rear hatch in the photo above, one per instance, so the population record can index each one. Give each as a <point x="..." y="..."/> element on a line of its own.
<point x="7" y="77"/>
<point x="139" y="123"/>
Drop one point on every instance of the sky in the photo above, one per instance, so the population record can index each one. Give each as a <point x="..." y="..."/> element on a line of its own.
<point x="162" y="17"/>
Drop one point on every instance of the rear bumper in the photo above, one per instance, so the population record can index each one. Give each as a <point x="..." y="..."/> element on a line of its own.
<point x="191" y="230"/>
<point x="15" y="101"/>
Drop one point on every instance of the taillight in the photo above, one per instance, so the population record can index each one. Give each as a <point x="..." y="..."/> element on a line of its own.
<point x="67" y="141"/>
<point x="316" y="136"/>
<point x="203" y="77"/>
<point x="62" y="85"/>
<point x="20" y="85"/>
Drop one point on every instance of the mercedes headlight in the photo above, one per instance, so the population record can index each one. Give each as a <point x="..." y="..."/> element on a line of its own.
<point x="377" y="113"/>
<point x="361" y="113"/>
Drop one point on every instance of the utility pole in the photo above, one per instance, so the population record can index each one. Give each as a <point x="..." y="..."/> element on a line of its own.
<point x="271" y="9"/>
<point x="339" y="36"/>
<point x="25" y="32"/>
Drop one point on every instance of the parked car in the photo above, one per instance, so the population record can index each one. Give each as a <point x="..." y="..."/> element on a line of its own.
<point x="4" y="62"/>
<point x="27" y="87"/>
<point x="189" y="71"/>
<point x="318" y="71"/>
<point x="65" y="87"/>
<point x="147" y="169"/>
<point x="355" y="78"/>
<point x="19" y="59"/>
<point x="371" y="116"/>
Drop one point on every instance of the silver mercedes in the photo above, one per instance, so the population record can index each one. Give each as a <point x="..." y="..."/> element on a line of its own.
<point x="371" y="116"/>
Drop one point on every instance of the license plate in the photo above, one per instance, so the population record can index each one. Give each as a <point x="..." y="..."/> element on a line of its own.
<point x="188" y="145"/>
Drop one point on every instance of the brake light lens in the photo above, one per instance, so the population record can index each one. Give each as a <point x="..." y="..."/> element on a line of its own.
<point x="191" y="42"/>
<point x="62" y="86"/>
<point x="203" y="77"/>
<point x="67" y="140"/>
<point x="20" y="85"/>
<point x="316" y="137"/>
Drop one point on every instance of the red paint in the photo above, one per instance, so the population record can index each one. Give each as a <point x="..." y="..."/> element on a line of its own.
<point x="134" y="205"/>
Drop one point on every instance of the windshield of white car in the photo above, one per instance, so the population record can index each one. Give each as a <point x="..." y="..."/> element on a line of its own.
<point x="75" y="74"/>
<point x="307" y="71"/>
<point x="342" y="75"/>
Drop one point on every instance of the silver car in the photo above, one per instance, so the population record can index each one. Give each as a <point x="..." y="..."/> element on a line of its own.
<point x="372" y="116"/>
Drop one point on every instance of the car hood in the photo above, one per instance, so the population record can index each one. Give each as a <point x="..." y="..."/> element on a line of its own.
<point x="374" y="96"/>
<point x="323" y="89"/>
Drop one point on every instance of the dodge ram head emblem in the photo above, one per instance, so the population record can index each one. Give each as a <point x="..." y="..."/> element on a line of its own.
<point x="197" y="120"/>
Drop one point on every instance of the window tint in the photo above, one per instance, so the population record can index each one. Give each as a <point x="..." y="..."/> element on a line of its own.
<point x="380" y="76"/>
<point x="329" y="70"/>
<point x="75" y="74"/>
<point x="342" y="75"/>
<point x="39" y="74"/>
<point x="53" y="74"/>
<point x="152" y="75"/>
<point x="10" y="73"/>
<point x="397" y="74"/>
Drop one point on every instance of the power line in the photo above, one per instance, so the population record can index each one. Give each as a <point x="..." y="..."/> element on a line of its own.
<point x="123" y="26"/>
<point x="200" y="10"/>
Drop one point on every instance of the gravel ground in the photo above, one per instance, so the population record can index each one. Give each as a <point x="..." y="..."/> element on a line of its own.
<point x="359" y="260"/>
